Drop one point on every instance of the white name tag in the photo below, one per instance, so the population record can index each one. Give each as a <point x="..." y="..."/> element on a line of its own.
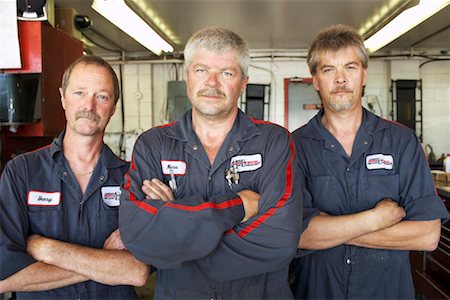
<point x="111" y="195"/>
<point x="178" y="167"/>
<point x="38" y="198"/>
<point x="245" y="163"/>
<point x="379" y="161"/>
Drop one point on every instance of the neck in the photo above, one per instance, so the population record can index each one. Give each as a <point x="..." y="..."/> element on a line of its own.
<point x="212" y="132"/>
<point x="343" y="126"/>
<point x="82" y="149"/>
<point x="343" y="122"/>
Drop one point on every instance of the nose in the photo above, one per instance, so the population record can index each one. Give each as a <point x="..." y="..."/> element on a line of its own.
<point x="89" y="102"/>
<point x="213" y="79"/>
<point x="340" y="77"/>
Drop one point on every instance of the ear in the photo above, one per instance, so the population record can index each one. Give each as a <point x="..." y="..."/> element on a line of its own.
<point x="364" y="76"/>
<point x="315" y="83"/>
<point x="63" y="100"/>
<point x="244" y="83"/>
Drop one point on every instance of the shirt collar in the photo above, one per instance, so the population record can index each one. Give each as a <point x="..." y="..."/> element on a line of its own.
<point x="107" y="158"/>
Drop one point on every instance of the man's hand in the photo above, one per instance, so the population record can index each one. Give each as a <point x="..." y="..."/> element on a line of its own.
<point x="156" y="189"/>
<point x="114" y="241"/>
<point x="387" y="213"/>
<point x="250" y="200"/>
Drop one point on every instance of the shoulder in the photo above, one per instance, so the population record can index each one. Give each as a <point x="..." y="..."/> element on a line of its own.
<point x="32" y="160"/>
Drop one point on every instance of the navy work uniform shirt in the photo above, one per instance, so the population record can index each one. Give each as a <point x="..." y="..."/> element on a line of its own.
<point x="387" y="161"/>
<point x="197" y="242"/>
<point x="39" y="194"/>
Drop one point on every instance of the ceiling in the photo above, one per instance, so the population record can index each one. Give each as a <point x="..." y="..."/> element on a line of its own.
<point x="265" y="24"/>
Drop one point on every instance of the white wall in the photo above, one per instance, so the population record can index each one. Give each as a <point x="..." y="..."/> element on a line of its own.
<point x="150" y="81"/>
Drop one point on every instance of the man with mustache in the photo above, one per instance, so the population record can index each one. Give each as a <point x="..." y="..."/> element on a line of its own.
<point x="59" y="204"/>
<point x="222" y="215"/>
<point x="367" y="188"/>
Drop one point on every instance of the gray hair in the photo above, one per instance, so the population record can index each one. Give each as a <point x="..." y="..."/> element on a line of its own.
<point x="96" y="61"/>
<point x="218" y="40"/>
<point x="334" y="38"/>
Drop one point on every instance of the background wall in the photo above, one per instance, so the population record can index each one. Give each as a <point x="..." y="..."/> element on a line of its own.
<point x="145" y="93"/>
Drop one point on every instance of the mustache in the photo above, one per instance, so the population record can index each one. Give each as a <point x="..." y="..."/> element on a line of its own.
<point x="341" y="88"/>
<point x="211" y="92"/>
<point x="84" y="114"/>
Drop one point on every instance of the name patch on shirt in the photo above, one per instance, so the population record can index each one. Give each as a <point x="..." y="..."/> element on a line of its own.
<point x="39" y="198"/>
<point x="379" y="161"/>
<point x="245" y="163"/>
<point x="111" y="195"/>
<point x="178" y="167"/>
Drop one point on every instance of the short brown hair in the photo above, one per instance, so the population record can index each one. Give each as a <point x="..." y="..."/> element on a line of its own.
<point x="334" y="38"/>
<point x="91" y="60"/>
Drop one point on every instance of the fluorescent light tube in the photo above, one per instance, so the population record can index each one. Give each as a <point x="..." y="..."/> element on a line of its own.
<point x="118" y="13"/>
<point x="404" y="22"/>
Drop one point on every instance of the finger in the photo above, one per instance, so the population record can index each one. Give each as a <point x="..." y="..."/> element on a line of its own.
<point x="152" y="191"/>
<point x="163" y="190"/>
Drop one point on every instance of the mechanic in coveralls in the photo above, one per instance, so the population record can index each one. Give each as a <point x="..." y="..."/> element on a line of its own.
<point x="59" y="204"/>
<point x="367" y="188"/>
<point x="223" y="216"/>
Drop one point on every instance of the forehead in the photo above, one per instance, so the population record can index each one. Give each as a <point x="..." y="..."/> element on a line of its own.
<point x="85" y="74"/>
<point x="225" y="59"/>
<point x="339" y="57"/>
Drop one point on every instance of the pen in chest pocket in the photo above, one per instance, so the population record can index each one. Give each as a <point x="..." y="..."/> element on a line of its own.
<point x="172" y="181"/>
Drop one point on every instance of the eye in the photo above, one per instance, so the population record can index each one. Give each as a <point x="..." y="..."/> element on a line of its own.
<point x="78" y="93"/>
<point x="103" y="97"/>
<point x="200" y="71"/>
<point x="227" y="74"/>
<point x="327" y="70"/>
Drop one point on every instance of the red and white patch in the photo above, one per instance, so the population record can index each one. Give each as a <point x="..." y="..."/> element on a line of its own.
<point x="245" y="163"/>
<point x="379" y="161"/>
<point x="39" y="198"/>
<point x="178" y="167"/>
<point x="111" y="195"/>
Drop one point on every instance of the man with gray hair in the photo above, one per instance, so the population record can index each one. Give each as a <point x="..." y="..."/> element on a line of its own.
<point x="211" y="200"/>
<point x="367" y="188"/>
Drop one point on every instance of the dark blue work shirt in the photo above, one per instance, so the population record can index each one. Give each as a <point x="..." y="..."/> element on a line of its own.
<point x="39" y="194"/>
<point x="197" y="242"/>
<point x="387" y="161"/>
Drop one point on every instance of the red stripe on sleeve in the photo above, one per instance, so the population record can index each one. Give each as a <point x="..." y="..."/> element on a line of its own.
<point x="207" y="205"/>
<point x="288" y="190"/>
<point x="147" y="207"/>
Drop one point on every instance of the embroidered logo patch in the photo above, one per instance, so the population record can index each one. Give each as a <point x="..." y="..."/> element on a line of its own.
<point x="111" y="195"/>
<point x="245" y="163"/>
<point x="379" y="161"/>
<point x="178" y="167"/>
<point x="38" y="198"/>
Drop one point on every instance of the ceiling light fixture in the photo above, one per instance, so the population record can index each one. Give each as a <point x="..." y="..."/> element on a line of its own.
<point x="118" y="13"/>
<point x="404" y="22"/>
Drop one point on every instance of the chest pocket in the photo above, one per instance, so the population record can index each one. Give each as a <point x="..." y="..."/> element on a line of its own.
<point x="325" y="194"/>
<point x="375" y="187"/>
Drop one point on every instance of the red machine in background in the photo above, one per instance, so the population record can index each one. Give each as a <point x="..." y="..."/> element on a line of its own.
<point x="45" y="54"/>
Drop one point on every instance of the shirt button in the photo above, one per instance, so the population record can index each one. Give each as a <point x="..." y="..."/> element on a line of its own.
<point x="209" y="178"/>
<point x="195" y="147"/>
<point x="102" y="178"/>
<point x="231" y="149"/>
<point x="65" y="173"/>
<point x="348" y="261"/>
<point x="332" y="145"/>
<point x="366" y="142"/>
<point x="348" y="169"/>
